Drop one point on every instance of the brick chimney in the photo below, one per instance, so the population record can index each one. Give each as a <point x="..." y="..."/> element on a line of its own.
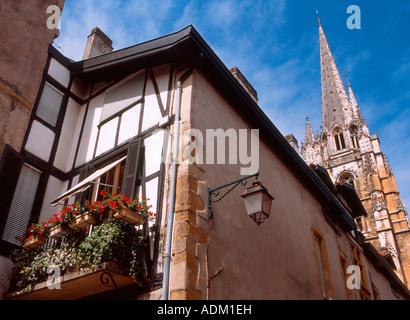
<point x="97" y="43"/>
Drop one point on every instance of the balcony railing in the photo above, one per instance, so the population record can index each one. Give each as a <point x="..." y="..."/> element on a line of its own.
<point x="104" y="256"/>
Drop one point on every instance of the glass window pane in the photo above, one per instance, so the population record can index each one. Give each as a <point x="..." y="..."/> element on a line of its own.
<point x="49" y="106"/>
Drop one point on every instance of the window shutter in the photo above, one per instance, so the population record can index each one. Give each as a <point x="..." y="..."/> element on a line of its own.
<point x="131" y="168"/>
<point x="10" y="166"/>
<point x="22" y="204"/>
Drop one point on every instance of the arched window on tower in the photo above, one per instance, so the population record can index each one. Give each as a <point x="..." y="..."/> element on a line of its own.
<point x="346" y="177"/>
<point x="339" y="139"/>
<point x="353" y="136"/>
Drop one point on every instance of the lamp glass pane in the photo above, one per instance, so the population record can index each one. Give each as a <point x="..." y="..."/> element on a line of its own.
<point x="266" y="203"/>
<point x="253" y="202"/>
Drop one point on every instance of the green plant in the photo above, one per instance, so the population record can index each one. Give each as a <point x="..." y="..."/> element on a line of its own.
<point x="30" y="267"/>
<point x="112" y="240"/>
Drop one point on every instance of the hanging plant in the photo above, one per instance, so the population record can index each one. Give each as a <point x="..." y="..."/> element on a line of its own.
<point x="110" y="241"/>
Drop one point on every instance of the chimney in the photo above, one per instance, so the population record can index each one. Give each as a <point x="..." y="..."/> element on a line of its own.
<point x="97" y="43"/>
<point x="244" y="83"/>
<point x="293" y="142"/>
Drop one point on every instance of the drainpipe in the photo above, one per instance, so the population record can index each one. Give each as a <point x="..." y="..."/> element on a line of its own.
<point x="171" y="207"/>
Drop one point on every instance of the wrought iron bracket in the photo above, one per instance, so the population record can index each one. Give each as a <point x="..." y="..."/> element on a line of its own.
<point x="213" y="194"/>
<point x="107" y="279"/>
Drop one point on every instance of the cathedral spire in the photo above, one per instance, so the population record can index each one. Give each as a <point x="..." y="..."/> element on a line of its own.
<point x="335" y="102"/>
<point x="309" y="134"/>
<point x="353" y="103"/>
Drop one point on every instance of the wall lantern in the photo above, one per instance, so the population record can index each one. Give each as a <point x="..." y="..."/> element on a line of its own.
<point x="256" y="198"/>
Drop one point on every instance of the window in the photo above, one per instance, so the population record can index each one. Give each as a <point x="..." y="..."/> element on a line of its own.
<point x="346" y="177"/>
<point x="343" y="266"/>
<point x="22" y="204"/>
<point x="110" y="181"/>
<point x="353" y="136"/>
<point x="114" y="175"/>
<point x="339" y="139"/>
<point x="322" y="264"/>
<point x="357" y="259"/>
<point x="49" y="106"/>
<point x="355" y="143"/>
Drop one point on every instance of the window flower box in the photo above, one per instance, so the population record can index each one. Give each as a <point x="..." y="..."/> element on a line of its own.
<point x="135" y="211"/>
<point x="82" y="221"/>
<point x="132" y="217"/>
<point x="34" y="242"/>
<point x="59" y="231"/>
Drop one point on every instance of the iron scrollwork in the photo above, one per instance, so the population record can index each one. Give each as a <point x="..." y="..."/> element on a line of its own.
<point x="214" y="193"/>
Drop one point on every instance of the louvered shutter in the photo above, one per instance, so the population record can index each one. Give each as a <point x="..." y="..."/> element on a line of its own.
<point x="131" y="167"/>
<point x="22" y="204"/>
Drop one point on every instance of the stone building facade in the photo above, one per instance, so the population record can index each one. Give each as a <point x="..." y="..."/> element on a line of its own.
<point x="351" y="154"/>
<point x="24" y="42"/>
<point x="168" y="120"/>
<point x="23" y="49"/>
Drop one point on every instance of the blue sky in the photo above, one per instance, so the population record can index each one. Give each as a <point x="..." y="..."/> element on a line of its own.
<point x="276" y="46"/>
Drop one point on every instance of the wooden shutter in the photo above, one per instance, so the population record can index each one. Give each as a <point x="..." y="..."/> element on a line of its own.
<point x="131" y="168"/>
<point x="10" y="166"/>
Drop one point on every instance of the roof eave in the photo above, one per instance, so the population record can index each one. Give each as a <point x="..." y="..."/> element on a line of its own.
<point x="185" y="46"/>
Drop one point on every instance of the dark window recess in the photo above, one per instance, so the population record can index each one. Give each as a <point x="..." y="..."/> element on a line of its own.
<point x="80" y="195"/>
<point x="10" y="166"/>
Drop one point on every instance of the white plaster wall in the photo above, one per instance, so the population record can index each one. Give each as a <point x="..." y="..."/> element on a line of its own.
<point x="40" y="141"/>
<point x="75" y="181"/>
<point x="68" y="138"/>
<point x="106" y="138"/>
<point x="162" y="78"/>
<point x="123" y="94"/>
<point x="54" y="189"/>
<point x="153" y="152"/>
<point x="89" y="137"/>
<point x="129" y="124"/>
<point x="152" y="113"/>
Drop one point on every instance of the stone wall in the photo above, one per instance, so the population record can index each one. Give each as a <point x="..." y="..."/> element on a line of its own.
<point x="24" y="40"/>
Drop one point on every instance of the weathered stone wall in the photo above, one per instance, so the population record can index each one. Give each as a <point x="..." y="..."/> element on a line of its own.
<point x="24" y="40"/>
<point x="231" y="257"/>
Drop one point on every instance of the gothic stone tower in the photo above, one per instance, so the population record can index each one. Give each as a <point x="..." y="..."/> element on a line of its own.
<point x="351" y="154"/>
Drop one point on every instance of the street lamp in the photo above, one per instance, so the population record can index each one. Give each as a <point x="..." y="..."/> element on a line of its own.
<point x="257" y="199"/>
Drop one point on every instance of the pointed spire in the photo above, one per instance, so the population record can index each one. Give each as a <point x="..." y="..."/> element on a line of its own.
<point x="355" y="107"/>
<point x="309" y="134"/>
<point x="352" y="99"/>
<point x="335" y="102"/>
